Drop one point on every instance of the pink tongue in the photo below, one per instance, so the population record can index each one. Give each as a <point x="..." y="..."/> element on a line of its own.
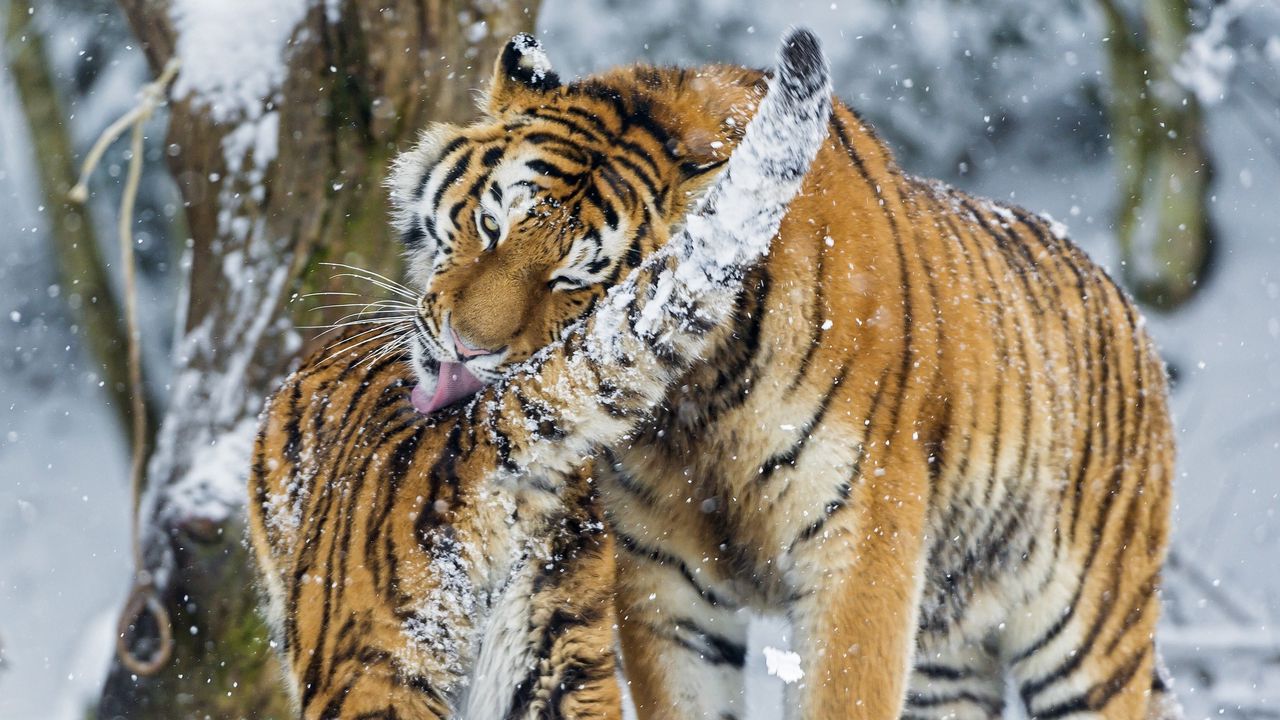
<point x="455" y="383"/>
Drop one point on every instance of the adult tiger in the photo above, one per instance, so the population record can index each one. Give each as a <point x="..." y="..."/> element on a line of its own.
<point x="934" y="434"/>
<point x="455" y="565"/>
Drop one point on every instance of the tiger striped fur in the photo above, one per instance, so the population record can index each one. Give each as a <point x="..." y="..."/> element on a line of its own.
<point x="455" y="565"/>
<point x="933" y="433"/>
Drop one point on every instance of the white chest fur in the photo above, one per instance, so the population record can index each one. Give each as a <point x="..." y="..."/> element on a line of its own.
<point x="506" y="651"/>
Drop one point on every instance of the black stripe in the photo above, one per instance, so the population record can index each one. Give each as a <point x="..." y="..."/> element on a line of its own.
<point x="592" y="195"/>
<point x="333" y="708"/>
<point x="414" y="237"/>
<point x="444" y="153"/>
<point x="581" y="673"/>
<point x="1099" y="695"/>
<point x="402" y="457"/>
<point x="736" y="361"/>
<point x="491" y="156"/>
<point x="542" y="167"/>
<point x="642" y="492"/>
<point x="791" y="455"/>
<point x="713" y="647"/>
<point x="1136" y="609"/>
<point x="1078" y="654"/>
<point x="292" y="432"/>
<point x="451" y="177"/>
<point x="561" y="622"/>
<point x="815" y="322"/>
<point x="992" y="705"/>
<point x="662" y="557"/>
<point x="942" y="672"/>
<point x="855" y="474"/>
<point x="594" y="132"/>
<point x="837" y="124"/>
<point x="904" y="281"/>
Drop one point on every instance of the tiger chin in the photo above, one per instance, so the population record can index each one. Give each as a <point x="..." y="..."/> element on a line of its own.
<point x="932" y="434"/>
<point x="427" y="553"/>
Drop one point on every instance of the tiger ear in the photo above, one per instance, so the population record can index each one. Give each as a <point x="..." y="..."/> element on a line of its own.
<point x="710" y="124"/>
<point x="522" y="70"/>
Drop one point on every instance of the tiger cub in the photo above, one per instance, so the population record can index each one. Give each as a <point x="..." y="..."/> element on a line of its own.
<point x="454" y="565"/>
<point x="932" y="433"/>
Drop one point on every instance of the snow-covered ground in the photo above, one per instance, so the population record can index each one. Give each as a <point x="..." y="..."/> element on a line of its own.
<point x="1033" y="139"/>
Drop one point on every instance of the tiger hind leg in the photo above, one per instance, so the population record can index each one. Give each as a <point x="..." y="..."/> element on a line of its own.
<point x="1096" y="657"/>
<point x="954" y="680"/>
<point x="683" y="653"/>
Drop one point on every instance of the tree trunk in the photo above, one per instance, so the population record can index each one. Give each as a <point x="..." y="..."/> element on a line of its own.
<point x="1162" y="219"/>
<point x="80" y="268"/>
<point x="360" y="79"/>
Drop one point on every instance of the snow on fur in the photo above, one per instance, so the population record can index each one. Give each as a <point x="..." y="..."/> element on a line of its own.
<point x="532" y="57"/>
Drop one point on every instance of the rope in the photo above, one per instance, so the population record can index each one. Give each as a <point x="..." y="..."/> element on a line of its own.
<point x="143" y="597"/>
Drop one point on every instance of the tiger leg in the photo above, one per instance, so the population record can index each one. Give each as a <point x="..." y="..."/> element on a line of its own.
<point x="955" y="680"/>
<point x="857" y="618"/>
<point x="1095" y="657"/>
<point x="682" y="652"/>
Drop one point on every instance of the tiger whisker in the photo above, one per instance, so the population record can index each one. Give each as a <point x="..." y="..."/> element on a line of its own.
<point x="327" y="292"/>
<point x="376" y="303"/>
<point x="374" y="314"/>
<point x="402" y="293"/>
<point x="357" y="318"/>
<point x="376" y="327"/>
<point x="384" y="323"/>
<point x="397" y="346"/>
<point x="348" y="348"/>
<point x="318" y="293"/>
<point x="382" y="314"/>
<point x="360" y="334"/>
<point x="371" y="273"/>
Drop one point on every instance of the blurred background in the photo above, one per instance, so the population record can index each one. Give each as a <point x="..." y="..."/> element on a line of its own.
<point x="1150" y="128"/>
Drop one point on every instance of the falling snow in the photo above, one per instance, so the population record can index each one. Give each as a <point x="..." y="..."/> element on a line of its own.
<point x="1008" y="121"/>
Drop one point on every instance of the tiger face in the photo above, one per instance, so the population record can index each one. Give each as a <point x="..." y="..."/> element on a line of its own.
<point x="516" y="225"/>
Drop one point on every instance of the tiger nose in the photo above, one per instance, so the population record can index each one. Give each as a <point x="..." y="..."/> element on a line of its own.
<point x="489" y="309"/>
<point x="465" y="349"/>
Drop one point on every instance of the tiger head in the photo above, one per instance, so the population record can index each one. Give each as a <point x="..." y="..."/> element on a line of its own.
<point x="516" y="225"/>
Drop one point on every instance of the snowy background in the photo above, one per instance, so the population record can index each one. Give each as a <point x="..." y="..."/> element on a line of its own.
<point x="1001" y="98"/>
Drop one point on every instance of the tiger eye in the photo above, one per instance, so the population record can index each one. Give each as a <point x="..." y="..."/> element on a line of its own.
<point x="489" y="224"/>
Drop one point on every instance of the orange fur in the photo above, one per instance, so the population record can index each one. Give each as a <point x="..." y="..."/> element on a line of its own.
<point x="932" y="425"/>
<point x="364" y="513"/>
<point x="454" y="564"/>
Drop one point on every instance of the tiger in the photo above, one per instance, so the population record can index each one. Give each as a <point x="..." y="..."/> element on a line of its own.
<point x="933" y="435"/>
<point x="451" y="562"/>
